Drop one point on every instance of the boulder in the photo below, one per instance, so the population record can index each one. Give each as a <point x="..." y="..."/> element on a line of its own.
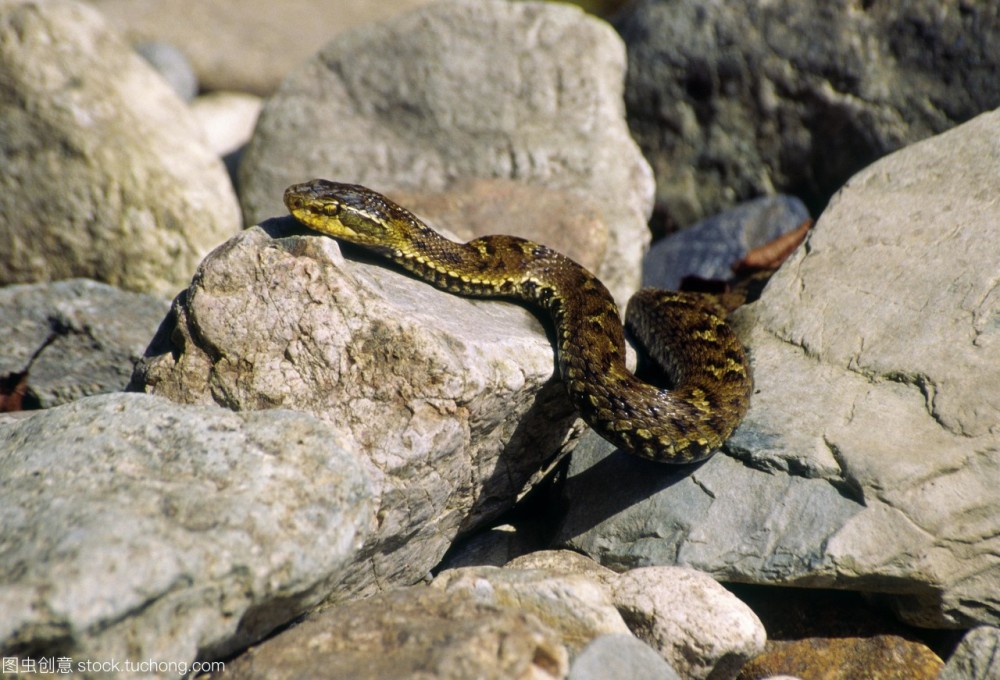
<point x="136" y="529"/>
<point x="104" y="171"/>
<point x="475" y="89"/>
<point x="448" y="403"/>
<point x="70" y="339"/>
<point x="870" y="454"/>
<point x="730" y="101"/>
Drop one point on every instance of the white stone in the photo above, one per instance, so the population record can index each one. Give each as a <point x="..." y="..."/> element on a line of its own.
<point x="698" y="626"/>
<point x="448" y="402"/>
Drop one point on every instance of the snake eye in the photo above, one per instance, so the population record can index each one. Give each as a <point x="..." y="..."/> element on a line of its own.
<point x="330" y="209"/>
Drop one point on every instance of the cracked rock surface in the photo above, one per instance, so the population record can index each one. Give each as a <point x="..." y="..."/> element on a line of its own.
<point x="871" y="453"/>
<point x="447" y="402"/>
<point x="70" y="339"/>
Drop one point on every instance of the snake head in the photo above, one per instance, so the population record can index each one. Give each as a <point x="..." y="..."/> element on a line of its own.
<point x="346" y="211"/>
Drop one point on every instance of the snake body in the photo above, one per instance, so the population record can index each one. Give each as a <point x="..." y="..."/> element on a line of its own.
<point x="697" y="349"/>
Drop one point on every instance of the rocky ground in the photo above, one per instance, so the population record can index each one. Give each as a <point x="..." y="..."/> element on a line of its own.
<point x="228" y="441"/>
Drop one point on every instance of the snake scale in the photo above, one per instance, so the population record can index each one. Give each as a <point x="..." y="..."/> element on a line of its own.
<point x="706" y="364"/>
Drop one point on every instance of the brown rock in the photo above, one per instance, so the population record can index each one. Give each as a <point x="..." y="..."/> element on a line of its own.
<point x="478" y="207"/>
<point x="883" y="657"/>
<point x="412" y="633"/>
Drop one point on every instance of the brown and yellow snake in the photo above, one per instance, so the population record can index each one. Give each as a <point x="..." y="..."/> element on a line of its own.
<point x="698" y="350"/>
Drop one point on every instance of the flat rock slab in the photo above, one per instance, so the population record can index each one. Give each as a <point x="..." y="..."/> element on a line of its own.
<point x="722" y="517"/>
<point x="871" y="453"/>
<point x="449" y="403"/>
<point x="136" y="528"/>
<point x="520" y="91"/>
<point x="104" y="173"/>
<point x="70" y="339"/>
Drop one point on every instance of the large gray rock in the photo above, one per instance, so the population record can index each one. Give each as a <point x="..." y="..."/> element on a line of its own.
<point x="474" y="89"/>
<point x="135" y="528"/>
<point x="723" y="517"/>
<point x="448" y="402"/>
<point x="870" y="455"/>
<point x="69" y="339"/>
<point x="250" y="46"/>
<point x="730" y="100"/>
<point x="103" y="172"/>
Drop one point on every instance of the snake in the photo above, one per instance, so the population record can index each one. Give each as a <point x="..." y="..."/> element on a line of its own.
<point x="709" y="377"/>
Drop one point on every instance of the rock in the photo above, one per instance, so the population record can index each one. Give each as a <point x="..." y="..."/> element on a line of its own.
<point x="575" y="605"/>
<point x="697" y="625"/>
<point x="448" y="402"/>
<point x="693" y="623"/>
<point x="883" y="656"/>
<point x="723" y="517"/>
<point x="565" y="562"/>
<point x="249" y="47"/>
<point x="135" y="528"/>
<point x="227" y="119"/>
<point x="620" y="657"/>
<point x="709" y="248"/>
<point x="171" y="63"/>
<point x="522" y="91"/>
<point x="733" y="100"/>
<point x="977" y="656"/>
<point x="415" y="632"/>
<point x="70" y="339"/>
<point x="468" y="209"/>
<point x="104" y="173"/>
<point x="909" y="427"/>
<point x="870" y="454"/>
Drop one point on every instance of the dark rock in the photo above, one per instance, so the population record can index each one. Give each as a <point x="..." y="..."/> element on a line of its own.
<point x="709" y="248"/>
<point x="734" y="100"/>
